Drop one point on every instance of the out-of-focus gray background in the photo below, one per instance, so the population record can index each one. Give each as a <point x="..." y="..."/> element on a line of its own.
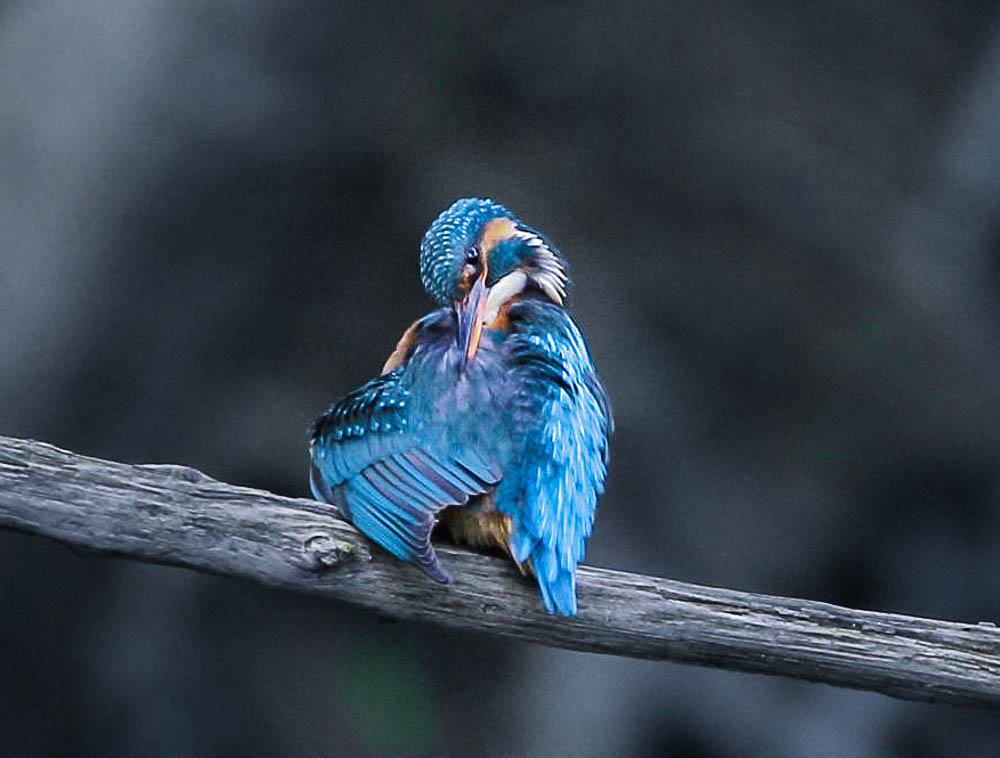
<point x="783" y="222"/>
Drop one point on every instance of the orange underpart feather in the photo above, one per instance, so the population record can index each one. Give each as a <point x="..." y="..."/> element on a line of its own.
<point x="400" y="355"/>
<point x="502" y="323"/>
<point x="480" y="526"/>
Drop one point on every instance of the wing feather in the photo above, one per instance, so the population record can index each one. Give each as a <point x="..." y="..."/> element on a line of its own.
<point x="386" y="460"/>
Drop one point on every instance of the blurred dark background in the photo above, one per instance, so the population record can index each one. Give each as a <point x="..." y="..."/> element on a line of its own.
<point x="783" y="223"/>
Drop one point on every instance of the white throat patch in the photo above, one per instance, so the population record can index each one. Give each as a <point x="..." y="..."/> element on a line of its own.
<point x="510" y="286"/>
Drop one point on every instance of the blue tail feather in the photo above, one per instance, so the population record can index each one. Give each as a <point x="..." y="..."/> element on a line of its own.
<point x="558" y="592"/>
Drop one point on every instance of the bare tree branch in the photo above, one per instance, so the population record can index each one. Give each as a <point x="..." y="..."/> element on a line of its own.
<point x="179" y="516"/>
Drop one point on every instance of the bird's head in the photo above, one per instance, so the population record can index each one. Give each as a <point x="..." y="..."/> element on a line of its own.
<point x="476" y="256"/>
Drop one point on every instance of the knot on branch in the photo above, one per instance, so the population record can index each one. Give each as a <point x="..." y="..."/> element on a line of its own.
<point x="325" y="552"/>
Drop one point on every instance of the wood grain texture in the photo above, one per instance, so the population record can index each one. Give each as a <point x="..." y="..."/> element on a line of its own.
<point x="178" y="516"/>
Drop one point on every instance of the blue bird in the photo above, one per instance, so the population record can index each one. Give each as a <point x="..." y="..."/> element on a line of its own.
<point x="488" y="417"/>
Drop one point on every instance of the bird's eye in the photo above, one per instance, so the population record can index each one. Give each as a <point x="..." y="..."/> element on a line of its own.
<point x="472" y="254"/>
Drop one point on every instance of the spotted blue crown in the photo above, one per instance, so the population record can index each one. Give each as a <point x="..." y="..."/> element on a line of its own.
<point x="442" y="250"/>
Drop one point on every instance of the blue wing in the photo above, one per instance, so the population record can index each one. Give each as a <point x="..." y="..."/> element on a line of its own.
<point x="560" y="413"/>
<point x="390" y="458"/>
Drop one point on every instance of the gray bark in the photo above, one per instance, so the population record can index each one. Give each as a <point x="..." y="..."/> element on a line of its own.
<point x="178" y="516"/>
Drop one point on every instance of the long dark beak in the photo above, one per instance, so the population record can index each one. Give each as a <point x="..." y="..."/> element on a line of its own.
<point x="470" y="318"/>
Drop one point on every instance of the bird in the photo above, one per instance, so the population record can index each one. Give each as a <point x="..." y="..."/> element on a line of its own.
<point x="488" y="417"/>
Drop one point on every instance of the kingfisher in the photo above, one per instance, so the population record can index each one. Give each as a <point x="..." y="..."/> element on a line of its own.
<point x="488" y="418"/>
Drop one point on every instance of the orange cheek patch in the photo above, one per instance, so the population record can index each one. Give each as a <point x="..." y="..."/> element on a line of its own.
<point x="495" y="231"/>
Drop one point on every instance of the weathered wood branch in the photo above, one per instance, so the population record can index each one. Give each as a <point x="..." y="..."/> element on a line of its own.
<point x="178" y="516"/>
